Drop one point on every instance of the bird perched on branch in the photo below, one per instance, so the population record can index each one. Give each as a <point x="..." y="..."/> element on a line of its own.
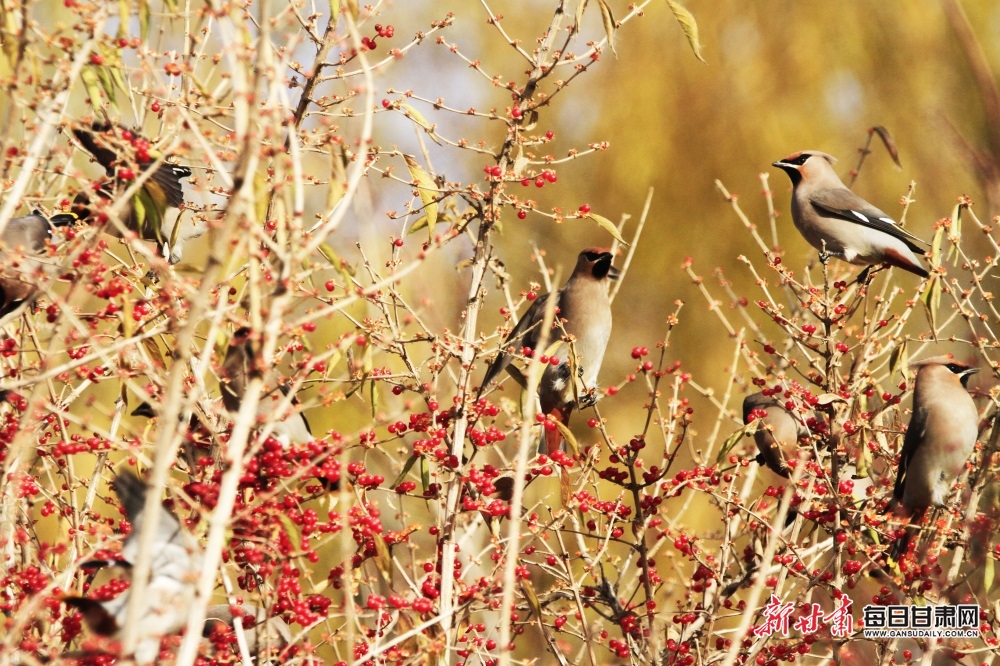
<point x="939" y="440"/>
<point x="778" y="433"/>
<point x="839" y="223"/>
<point x="153" y="212"/>
<point x="242" y="363"/>
<point x="583" y="319"/>
<point x="22" y="241"/>
<point x="170" y="591"/>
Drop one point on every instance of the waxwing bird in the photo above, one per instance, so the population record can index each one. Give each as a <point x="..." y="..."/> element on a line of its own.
<point x="840" y="223"/>
<point x="23" y="239"/>
<point x="153" y="213"/>
<point x="170" y="591"/>
<point x="939" y="440"/>
<point x="778" y="433"/>
<point x="584" y="311"/>
<point x="243" y="362"/>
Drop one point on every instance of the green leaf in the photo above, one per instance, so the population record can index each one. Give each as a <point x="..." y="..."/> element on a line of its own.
<point x="688" y="25"/>
<point x="989" y="574"/>
<point x="334" y="11"/>
<point x="425" y="473"/>
<point x="427" y="190"/>
<point x="406" y="470"/>
<point x="609" y="24"/>
<point x="606" y="224"/>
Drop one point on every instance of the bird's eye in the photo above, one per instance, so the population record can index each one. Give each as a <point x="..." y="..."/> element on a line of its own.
<point x="592" y="256"/>
<point x="956" y="368"/>
<point x="801" y="159"/>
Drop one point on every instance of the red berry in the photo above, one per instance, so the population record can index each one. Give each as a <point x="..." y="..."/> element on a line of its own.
<point x="585" y="209"/>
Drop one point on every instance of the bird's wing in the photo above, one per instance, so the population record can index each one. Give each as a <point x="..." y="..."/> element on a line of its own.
<point x="524" y="334"/>
<point x="101" y="151"/>
<point x="914" y="435"/>
<point x="99" y="620"/>
<point x="846" y="205"/>
<point x="168" y="176"/>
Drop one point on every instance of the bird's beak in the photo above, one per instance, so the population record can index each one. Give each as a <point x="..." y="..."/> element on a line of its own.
<point x="613" y="273"/>
<point x="781" y="165"/>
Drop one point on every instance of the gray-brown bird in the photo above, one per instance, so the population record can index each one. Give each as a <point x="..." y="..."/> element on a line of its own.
<point x="837" y="221"/>
<point x="23" y="240"/>
<point x="153" y="211"/>
<point x="170" y="591"/>
<point x="242" y="363"/>
<point x="778" y="433"/>
<point x="584" y="311"/>
<point x="939" y="440"/>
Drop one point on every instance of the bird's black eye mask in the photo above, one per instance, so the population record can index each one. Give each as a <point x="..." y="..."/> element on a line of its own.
<point x="798" y="161"/>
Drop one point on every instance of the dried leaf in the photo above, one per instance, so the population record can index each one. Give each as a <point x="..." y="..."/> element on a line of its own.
<point x="899" y="360"/>
<point x="144" y="14"/>
<point x="10" y="20"/>
<point x="580" y="6"/>
<point x="531" y="597"/>
<point x="888" y="142"/>
<point x="383" y="559"/>
<point x="606" y="224"/>
<point x="688" y="25"/>
<point x="609" y="24"/>
<point x="92" y="84"/>
<point x="427" y="190"/>
<point x="416" y="117"/>
<point x="352" y="7"/>
<point x="746" y="431"/>
<point x="571" y="444"/>
<point x="931" y="298"/>
<point x="154" y="351"/>
<point x="261" y="200"/>
<point x="124" y="17"/>
<point x="989" y="574"/>
<point x="956" y="229"/>
<point x="418" y="225"/>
